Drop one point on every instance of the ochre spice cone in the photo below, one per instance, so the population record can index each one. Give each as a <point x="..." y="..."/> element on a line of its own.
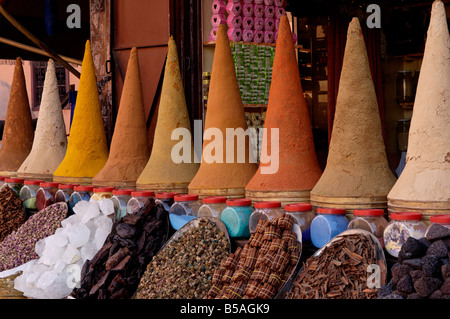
<point x="298" y="169"/>
<point x="129" y="150"/>
<point x="224" y="110"/>
<point x="424" y="184"/>
<point x="50" y="140"/>
<point x="357" y="171"/>
<point x="161" y="173"/>
<point x="18" y="133"/>
<point x="87" y="149"/>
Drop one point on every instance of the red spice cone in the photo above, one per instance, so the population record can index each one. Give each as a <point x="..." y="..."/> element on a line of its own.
<point x="19" y="131"/>
<point x="224" y="110"/>
<point x="298" y="169"/>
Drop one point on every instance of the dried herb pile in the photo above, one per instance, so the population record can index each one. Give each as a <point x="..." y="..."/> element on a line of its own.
<point x="262" y="266"/>
<point x="19" y="246"/>
<point x="423" y="268"/>
<point x="340" y="272"/>
<point x="117" y="268"/>
<point x="184" y="268"/>
<point x="12" y="212"/>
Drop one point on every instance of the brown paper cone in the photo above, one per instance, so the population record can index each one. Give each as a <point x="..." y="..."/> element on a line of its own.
<point x="161" y="173"/>
<point x="424" y="184"/>
<point x="50" y="141"/>
<point x="129" y="151"/>
<point x="19" y="131"/>
<point x="224" y="110"/>
<point x="357" y="174"/>
<point x="87" y="149"/>
<point x="298" y="169"/>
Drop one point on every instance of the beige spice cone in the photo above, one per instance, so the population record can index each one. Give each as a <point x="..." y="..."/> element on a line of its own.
<point x="50" y="140"/>
<point x="161" y="173"/>
<point x="357" y="170"/>
<point x="224" y="110"/>
<point x="87" y="148"/>
<point x="129" y="150"/>
<point x="18" y="133"/>
<point x="298" y="169"/>
<point x="424" y="184"/>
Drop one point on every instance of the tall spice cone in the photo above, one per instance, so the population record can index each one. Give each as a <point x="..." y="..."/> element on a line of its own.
<point x="50" y="140"/>
<point x="129" y="150"/>
<point x="224" y="110"/>
<point x="87" y="149"/>
<point x="161" y="173"/>
<point x="424" y="184"/>
<point x="19" y="130"/>
<point x="298" y="170"/>
<point x="357" y="174"/>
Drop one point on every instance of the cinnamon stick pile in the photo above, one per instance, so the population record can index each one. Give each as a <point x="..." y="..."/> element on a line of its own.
<point x="340" y="272"/>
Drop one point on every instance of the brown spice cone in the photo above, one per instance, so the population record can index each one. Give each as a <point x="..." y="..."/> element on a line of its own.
<point x="19" y="131"/>
<point x="298" y="170"/>
<point x="129" y="150"/>
<point x="424" y="184"/>
<point x="224" y="110"/>
<point x="357" y="174"/>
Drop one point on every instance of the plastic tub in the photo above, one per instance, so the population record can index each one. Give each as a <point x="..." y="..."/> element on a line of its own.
<point x="304" y="215"/>
<point x="45" y="195"/>
<point x="138" y="200"/>
<point x="183" y="210"/>
<point x="266" y="211"/>
<point x="165" y="199"/>
<point x="236" y="216"/>
<point x="120" y="200"/>
<point x="212" y="206"/>
<point x="80" y="193"/>
<point x="28" y="194"/>
<point x="371" y="220"/>
<point x="100" y="193"/>
<point x="327" y="224"/>
<point x="16" y="184"/>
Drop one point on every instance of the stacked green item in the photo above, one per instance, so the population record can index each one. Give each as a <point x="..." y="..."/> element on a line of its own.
<point x="253" y="64"/>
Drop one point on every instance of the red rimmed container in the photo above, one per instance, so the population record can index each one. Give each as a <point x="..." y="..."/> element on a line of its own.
<point x="236" y="217"/>
<point x="328" y="223"/>
<point x="120" y="200"/>
<point x="401" y="226"/>
<point x="212" y="206"/>
<point x="165" y="199"/>
<point x="14" y="183"/>
<point x="138" y="199"/>
<point x="266" y="210"/>
<point x="27" y="195"/>
<point x="304" y="215"/>
<point x="371" y="220"/>
<point x="184" y="209"/>
<point x="100" y="193"/>
<point x="45" y="195"/>
<point x="80" y="193"/>
<point x="64" y="192"/>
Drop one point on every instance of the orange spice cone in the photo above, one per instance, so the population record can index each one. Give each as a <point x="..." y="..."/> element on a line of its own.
<point x="50" y="140"/>
<point x="161" y="173"/>
<point x="424" y="184"/>
<point x="298" y="168"/>
<point x="87" y="149"/>
<point x="224" y="110"/>
<point x="357" y="174"/>
<point x="129" y="150"/>
<point x="19" y="131"/>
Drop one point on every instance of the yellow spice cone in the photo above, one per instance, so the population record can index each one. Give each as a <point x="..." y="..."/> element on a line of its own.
<point x="129" y="151"/>
<point x="87" y="150"/>
<point x="224" y="110"/>
<point x="424" y="184"/>
<point x="19" y="131"/>
<point x="50" y="140"/>
<point x="161" y="173"/>
<point x="357" y="174"/>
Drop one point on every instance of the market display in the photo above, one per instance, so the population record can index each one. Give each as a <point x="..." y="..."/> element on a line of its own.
<point x="59" y="255"/>
<point x="262" y="266"/>
<point x="424" y="184"/>
<point x="423" y="268"/>
<point x="225" y="111"/>
<point x="18" y="247"/>
<point x="12" y="212"/>
<point x="115" y="271"/>
<point x="357" y="159"/>
<point x="50" y="140"/>
<point x="184" y="268"/>
<point x="127" y="160"/>
<point x="162" y="173"/>
<point x="287" y="111"/>
<point x="87" y="149"/>
<point x="18" y="131"/>
<point x="339" y="270"/>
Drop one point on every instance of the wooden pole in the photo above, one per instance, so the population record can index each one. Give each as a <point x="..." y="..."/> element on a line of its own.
<point x="36" y="50"/>
<point x="38" y="42"/>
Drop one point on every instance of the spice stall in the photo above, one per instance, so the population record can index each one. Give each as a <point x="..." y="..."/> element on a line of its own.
<point x="137" y="225"/>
